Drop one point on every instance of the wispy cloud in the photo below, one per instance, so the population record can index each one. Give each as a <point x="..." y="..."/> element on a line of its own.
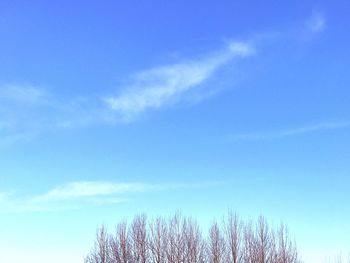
<point x="325" y="126"/>
<point x="91" y="189"/>
<point x="24" y="110"/>
<point x="316" y="23"/>
<point x="22" y="93"/>
<point x="28" y="110"/>
<point x="157" y="87"/>
<point x="77" y="195"/>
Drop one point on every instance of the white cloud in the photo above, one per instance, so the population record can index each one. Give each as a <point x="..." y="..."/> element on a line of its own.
<point x="157" y="87"/>
<point x="316" y="23"/>
<point x="78" y="195"/>
<point x="25" y="94"/>
<point x="290" y="132"/>
<point x="91" y="189"/>
<point x="241" y="48"/>
<point x="27" y="111"/>
<point x="24" y="111"/>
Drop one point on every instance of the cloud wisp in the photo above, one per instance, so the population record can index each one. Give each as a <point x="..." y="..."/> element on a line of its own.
<point x="158" y="87"/>
<point x="78" y="195"/>
<point x="316" y="23"/>
<point x="264" y="136"/>
<point x="27" y="111"/>
<point x="23" y="94"/>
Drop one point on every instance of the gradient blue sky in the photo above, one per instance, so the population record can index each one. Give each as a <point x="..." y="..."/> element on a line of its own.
<point x="111" y="108"/>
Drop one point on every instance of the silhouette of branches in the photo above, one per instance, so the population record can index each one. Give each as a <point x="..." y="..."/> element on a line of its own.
<point x="180" y="240"/>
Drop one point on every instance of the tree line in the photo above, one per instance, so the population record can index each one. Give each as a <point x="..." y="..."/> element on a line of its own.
<point x="179" y="239"/>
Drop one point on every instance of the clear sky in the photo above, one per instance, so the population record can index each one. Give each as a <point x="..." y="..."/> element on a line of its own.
<point x="111" y="108"/>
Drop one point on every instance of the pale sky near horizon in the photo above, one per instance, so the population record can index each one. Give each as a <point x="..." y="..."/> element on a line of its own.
<point x="112" y="108"/>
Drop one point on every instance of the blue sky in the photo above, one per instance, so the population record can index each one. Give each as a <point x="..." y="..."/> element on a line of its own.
<point x="110" y="108"/>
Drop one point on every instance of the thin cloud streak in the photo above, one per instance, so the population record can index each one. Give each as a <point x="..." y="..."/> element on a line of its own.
<point x="78" y="195"/>
<point x="26" y="110"/>
<point x="23" y="94"/>
<point x="78" y="190"/>
<point x="316" y="23"/>
<point x="158" y="87"/>
<point x="327" y="126"/>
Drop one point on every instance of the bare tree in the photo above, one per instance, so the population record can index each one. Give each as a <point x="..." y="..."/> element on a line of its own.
<point x="157" y="240"/>
<point x="233" y="234"/>
<point x="263" y="242"/>
<point x="194" y="244"/>
<point x="100" y="252"/>
<point x="138" y="236"/>
<point x="287" y="252"/>
<point x="180" y="240"/>
<point x="120" y="245"/>
<point x="216" y="246"/>
<point x="175" y="249"/>
<point x="249" y="247"/>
